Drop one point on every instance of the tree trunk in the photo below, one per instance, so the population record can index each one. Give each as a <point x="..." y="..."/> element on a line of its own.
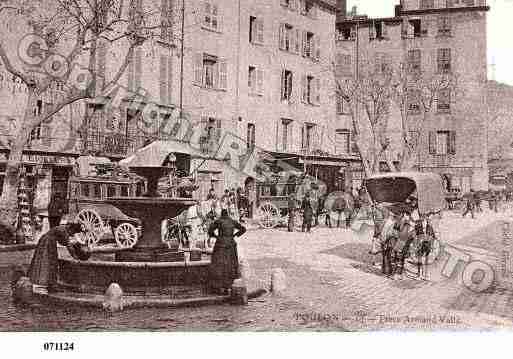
<point x="9" y="198"/>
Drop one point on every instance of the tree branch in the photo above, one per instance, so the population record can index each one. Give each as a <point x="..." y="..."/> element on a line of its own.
<point x="10" y="68"/>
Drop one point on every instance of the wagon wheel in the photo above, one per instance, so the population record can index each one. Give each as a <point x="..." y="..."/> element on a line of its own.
<point x="92" y="225"/>
<point x="269" y="215"/>
<point x="125" y="235"/>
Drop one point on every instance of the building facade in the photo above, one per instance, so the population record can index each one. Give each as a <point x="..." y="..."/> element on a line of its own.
<point x="258" y="71"/>
<point x="431" y="37"/>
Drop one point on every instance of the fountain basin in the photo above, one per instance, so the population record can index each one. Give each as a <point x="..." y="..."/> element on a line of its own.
<point x="174" y="279"/>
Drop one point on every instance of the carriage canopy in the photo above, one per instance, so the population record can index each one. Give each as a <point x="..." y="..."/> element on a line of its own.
<point x="397" y="187"/>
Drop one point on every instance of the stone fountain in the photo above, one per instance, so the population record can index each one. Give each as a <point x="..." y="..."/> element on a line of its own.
<point x="149" y="274"/>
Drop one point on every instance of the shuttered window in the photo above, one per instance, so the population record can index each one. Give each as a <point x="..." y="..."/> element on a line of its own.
<point x="444" y="61"/>
<point x="211" y="16"/>
<point x="166" y="21"/>
<point x="256" y="30"/>
<point x="210" y="71"/>
<point x="442" y="143"/>
<point x="166" y="79"/>
<point x="444" y="100"/>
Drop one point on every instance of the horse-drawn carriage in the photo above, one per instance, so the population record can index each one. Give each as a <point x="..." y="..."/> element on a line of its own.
<point x="99" y="219"/>
<point x="406" y="209"/>
<point x="273" y="196"/>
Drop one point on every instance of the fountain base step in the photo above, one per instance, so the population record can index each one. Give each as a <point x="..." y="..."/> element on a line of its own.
<point x="129" y="301"/>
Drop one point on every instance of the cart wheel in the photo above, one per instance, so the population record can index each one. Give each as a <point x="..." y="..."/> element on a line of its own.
<point x="93" y="226"/>
<point x="125" y="235"/>
<point x="269" y="215"/>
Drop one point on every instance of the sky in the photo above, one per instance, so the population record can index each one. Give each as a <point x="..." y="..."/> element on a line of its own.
<point x="500" y="42"/>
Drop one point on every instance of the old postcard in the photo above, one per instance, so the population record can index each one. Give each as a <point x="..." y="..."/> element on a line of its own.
<point x="255" y="165"/>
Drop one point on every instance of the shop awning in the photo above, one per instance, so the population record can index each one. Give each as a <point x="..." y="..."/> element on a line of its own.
<point x="156" y="153"/>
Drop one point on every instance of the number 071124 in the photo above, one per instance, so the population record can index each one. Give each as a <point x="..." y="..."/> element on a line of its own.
<point x="58" y="346"/>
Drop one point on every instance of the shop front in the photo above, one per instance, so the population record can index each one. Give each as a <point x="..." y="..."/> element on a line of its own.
<point x="43" y="177"/>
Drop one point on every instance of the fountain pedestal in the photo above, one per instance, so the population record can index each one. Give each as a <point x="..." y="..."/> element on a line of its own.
<point x="152" y="210"/>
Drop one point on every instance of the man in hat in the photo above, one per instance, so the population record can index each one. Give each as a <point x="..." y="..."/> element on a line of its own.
<point x="306" y="206"/>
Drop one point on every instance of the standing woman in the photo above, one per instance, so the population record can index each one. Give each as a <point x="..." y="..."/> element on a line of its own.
<point x="224" y="266"/>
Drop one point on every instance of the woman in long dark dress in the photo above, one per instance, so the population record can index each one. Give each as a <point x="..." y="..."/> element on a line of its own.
<point x="44" y="265"/>
<point x="224" y="267"/>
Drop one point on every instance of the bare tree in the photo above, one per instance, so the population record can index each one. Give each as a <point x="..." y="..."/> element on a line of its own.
<point x="373" y="97"/>
<point x="371" y="93"/>
<point x="415" y="94"/>
<point x="74" y="29"/>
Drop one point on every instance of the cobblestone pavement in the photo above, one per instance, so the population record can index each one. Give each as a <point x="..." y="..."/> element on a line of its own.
<point x="339" y="285"/>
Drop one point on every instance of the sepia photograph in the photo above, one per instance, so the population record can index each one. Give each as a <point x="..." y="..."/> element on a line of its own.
<point x="282" y="166"/>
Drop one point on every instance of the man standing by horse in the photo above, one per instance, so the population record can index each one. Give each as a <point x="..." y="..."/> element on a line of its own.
<point x="306" y="206"/>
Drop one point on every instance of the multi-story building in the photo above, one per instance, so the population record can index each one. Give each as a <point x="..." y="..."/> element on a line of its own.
<point x="431" y="37"/>
<point x="261" y="70"/>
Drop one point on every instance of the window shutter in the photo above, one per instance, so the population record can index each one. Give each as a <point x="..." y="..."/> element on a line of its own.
<point x="289" y="87"/>
<point x="297" y="41"/>
<point x="317" y="86"/>
<point x="452" y="143"/>
<point x="198" y="69"/>
<point x="282" y="37"/>
<point x="169" y="80"/>
<point x="46" y="134"/>
<point x="260" y="30"/>
<point x="302" y="136"/>
<point x="138" y="68"/>
<point x="253" y="29"/>
<point x="162" y="79"/>
<point x="219" y="19"/>
<point x="432" y="143"/>
<point x="304" y="89"/>
<point x="290" y="137"/>
<point x="282" y="85"/>
<point x="317" y="41"/>
<point x="131" y="67"/>
<point x="278" y="141"/>
<point x="221" y="73"/>
<point x="163" y="19"/>
<point x="305" y="43"/>
<point x="384" y="29"/>
<point x="260" y="81"/>
<point x="293" y="4"/>
<point x="372" y="30"/>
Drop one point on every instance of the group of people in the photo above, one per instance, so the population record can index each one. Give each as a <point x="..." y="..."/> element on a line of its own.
<point x="496" y="199"/>
<point x="233" y="200"/>
<point x="344" y="206"/>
